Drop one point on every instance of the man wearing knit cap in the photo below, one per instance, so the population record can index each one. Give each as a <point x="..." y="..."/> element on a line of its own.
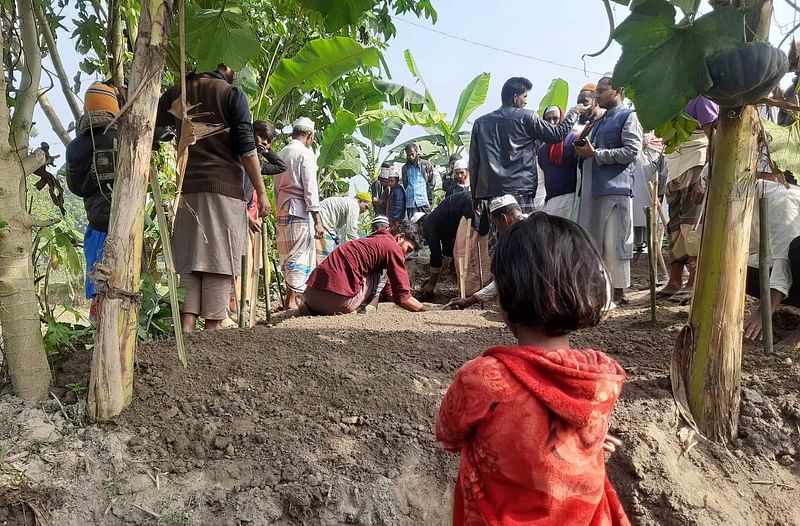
<point x="299" y="220"/>
<point x="211" y="221"/>
<point x="340" y="217"/>
<point x="91" y="170"/>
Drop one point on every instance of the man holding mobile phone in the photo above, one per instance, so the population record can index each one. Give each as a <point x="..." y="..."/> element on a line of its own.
<point x="606" y="207"/>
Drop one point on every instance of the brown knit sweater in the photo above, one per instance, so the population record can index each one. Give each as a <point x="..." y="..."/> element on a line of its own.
<point x="214" y="163"/>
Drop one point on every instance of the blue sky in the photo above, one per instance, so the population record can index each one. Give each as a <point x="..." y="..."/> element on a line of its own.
<point x="559" y="31"/>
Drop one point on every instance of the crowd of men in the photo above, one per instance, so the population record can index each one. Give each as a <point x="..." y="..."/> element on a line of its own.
<point x="552" y="268"/>
<point x="596" y="165"/>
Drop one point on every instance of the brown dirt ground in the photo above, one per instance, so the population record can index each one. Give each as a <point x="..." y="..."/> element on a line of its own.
<point x="325" y="421"/>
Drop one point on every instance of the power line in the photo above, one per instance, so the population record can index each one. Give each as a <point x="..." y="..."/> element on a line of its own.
<point x="501" y="50"/>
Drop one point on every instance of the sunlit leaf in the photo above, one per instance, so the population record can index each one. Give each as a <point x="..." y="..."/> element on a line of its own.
<point x="382" y="132"/>
<point x="400" y="95"/>
<point x="216" y="36"/>
<point x="319" y="63"/>
<point x="676" y="131"/>
<point x="472" y="97"/>
<point x="414" y="70"/>
<point x="412" y="118"/>
<point x="557" y="95"/>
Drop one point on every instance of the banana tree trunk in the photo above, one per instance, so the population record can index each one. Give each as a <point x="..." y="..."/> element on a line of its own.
<point x="111" y="380"/>
<point x="706" y="363"/>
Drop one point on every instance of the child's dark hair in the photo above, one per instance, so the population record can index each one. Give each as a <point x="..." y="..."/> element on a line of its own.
<point x="265" y="129"/>
<point x="410" y="230"/>
<point x="549" y="275"/>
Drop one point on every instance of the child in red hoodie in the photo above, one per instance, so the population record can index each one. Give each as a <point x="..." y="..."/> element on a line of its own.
<point x="530" y="421"/>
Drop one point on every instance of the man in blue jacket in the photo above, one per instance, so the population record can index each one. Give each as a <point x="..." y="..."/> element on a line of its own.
<point x="609" y="160"/>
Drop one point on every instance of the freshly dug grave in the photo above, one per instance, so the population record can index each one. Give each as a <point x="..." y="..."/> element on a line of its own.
<point x="324" y="421"/>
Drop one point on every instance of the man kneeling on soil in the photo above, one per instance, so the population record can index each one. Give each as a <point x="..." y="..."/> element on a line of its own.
<point x="350" y="275"/>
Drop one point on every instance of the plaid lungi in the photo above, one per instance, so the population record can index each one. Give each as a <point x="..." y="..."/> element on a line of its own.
<point x="682" y="210"/>
<point x="296" y="249"/>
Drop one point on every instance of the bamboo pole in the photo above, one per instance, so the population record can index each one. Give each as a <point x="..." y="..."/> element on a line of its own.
<point x="243" y="291"/>
<point x="651" y="259"/>
<point x="764" y="264"/>
<point x="267" y="269"/>
<point x="172" y="282"/>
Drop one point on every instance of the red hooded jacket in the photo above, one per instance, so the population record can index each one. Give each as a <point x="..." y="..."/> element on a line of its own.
<point x="530" y="426"/>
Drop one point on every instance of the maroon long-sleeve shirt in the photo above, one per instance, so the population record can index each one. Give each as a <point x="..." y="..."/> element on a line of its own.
<point x="343" y="271"/>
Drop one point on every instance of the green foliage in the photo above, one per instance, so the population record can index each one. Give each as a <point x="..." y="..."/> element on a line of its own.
<point x="471" y="98"/>
<point x="155" y="311"/>
<point x="335" y="137"/>
<point x="3" y="224"/>
<point x="339" y="13"/>
<point x="412" y="118"/>
<point x="400" y="95"/>
<point x="63" y="337"/>
<point x="319" y="64"/>
<point x="676" y="131"/>
<point x="382" y="132"/>
<point x="414" y="70"/>
<point x="219" y="35"/>
<point x="784" y="149"/>
<point x="557" y="95"/>
<point x="663" y="63"/>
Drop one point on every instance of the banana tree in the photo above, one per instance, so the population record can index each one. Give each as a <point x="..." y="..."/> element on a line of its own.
<point x="665" y="64"/>
<point x="446" y="133"/>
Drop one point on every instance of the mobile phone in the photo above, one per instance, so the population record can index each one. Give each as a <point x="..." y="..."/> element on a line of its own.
<point x="580" y="142"/>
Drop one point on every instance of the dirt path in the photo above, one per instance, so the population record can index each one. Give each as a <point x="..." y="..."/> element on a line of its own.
<point x="325" y="421"/>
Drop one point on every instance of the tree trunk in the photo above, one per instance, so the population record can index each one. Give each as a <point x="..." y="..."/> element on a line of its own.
<point x="707" y="359"/>
<point x="706" y="368"/>
<point x="111" y="381"/>
<point x="19" y="309"/>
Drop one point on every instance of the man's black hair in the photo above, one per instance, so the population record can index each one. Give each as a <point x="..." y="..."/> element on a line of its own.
<point x="265" y="129"/>
<point x="411" y="232"/>
<point x="514" y="86"/>
<point x="411" y="146"/>
<point x="386" y="164"/>
<point x="549" y="276"/>
<point x="455" y="157"/>
<point x="508" y="209"/>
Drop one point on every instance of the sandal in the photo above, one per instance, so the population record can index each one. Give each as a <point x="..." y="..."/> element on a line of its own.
<point x="664" y="294"/>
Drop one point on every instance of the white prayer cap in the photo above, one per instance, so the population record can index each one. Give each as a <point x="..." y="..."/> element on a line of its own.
<point x="380" y="221"/>
<point x="303" y="125"/>
<point x="386" y="172"/>
<point x="416" y="217"/>
<point x="499" y="202"/>
<point x="460" y="164"/>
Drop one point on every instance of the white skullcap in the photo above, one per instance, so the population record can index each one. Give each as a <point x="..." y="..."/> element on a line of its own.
<point x="303" y="124"/>
<point x="499" y="202"/>
<point x="380" y="220"/>
<point x="460" y="164"/>
<point x="386" y="173"/>
<point x="416" y="217"/>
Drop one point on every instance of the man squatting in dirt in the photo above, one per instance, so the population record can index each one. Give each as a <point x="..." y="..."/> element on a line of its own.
<point x="530" y="421"/>
<point x="783" y="200"/>
<point x="351" y="275"/>
<point x="504" y="211"/>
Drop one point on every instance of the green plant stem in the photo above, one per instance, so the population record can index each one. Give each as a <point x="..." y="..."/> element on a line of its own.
<point x="172" y="282"/>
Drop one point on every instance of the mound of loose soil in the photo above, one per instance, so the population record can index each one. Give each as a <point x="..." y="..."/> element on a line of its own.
<point x="325" y="421"/>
